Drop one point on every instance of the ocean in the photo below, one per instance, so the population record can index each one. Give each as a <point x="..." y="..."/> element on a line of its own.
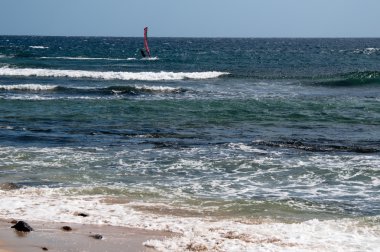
<point x="236" y="144"/>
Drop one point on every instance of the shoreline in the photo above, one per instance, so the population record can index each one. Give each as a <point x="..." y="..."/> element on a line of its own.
<point x="49" y="236"/>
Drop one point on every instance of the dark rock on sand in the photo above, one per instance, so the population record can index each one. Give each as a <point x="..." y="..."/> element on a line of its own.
<point x="82" y="214"/>
<point x="45" y="248"/>
<point x="66" y="228"/>
<point x="97" y="236"/>
<point x="9" y="186"/>
<point x="22" y="227"/>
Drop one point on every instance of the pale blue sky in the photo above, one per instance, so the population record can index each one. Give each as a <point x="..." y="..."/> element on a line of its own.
<point x="192" y="18"/>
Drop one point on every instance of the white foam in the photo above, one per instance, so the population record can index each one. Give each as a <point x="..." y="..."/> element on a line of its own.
<point x="150" y="58"/>
<point x="31" y="87"/>
<point x="250" y="174"/>
<point x="375" y="181"/>
<point x="246" y="148"/>
<point x="147" y="76"/>
<point x="84" y="58"/>
<point x="206" y="234"/>
<point x="36" y="97"/>
<point x="6" y="127"/>
<point x="39" y="47"/>
<point x="367" y="51"/>
<point x="314" y="235"/>
<point x="157" y="88"/>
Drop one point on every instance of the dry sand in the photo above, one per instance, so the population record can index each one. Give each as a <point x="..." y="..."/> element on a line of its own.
<point x="51" y="237"/>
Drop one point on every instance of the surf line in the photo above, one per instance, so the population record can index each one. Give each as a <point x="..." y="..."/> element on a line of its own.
<point x="145" y="53"/>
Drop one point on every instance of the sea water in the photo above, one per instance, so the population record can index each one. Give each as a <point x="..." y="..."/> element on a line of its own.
<point x="235" y="144"/>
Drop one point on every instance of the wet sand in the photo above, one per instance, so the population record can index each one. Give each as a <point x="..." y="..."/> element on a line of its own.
<point x="51" y="237"/>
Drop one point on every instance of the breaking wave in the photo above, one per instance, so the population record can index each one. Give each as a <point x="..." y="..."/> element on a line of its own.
<point x="109" y="75"/>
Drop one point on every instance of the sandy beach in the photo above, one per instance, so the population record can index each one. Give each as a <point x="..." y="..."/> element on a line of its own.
<point x="51" y="237"/>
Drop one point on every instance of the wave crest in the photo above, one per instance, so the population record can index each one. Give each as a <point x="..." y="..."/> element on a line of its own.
<point x="111" y="90"/>
<point x="109" y="75"/>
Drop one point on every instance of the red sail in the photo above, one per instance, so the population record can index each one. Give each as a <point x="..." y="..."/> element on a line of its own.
<point x="146" y="41"/>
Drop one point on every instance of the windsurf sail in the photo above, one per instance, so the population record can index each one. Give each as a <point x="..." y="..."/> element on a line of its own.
<point x="146" y="41"/>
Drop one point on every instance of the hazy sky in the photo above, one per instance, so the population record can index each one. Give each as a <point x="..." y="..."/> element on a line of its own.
<point x="192" y="18"/>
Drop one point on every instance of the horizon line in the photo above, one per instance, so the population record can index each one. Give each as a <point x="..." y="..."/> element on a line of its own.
<point x="210" y="37"/>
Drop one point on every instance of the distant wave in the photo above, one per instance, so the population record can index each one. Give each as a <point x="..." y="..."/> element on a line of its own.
<point x="163" y="89"/>
<point x="368" y="51"/>
<point x="141" y="89"/>
<point x="351" y="79"/>
<point x="320" y="147"/>
<point x="144" y="76"/>
<point x="151" y="58"/>
<point x="99" y="58"/>
<point x="87" y="58"/>
<point x="27" y="87"/>
<point x="111" y="90"/>
<point x="39" y="47"/>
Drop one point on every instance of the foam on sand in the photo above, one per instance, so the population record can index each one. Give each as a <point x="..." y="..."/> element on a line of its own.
<point x="109" y="75"/>
<point x="196" y="233"/>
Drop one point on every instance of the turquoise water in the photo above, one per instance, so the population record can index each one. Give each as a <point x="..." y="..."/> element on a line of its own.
<point x="285" y="129"/>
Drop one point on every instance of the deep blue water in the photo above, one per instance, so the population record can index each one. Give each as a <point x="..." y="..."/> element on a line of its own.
<point x="237" y="123"/>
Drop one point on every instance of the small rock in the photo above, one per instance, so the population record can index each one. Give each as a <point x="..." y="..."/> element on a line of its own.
<point x="66" y="228"/>
<point x="97" y="236"/>
<point x="45" y="248"/>
<point x="22" y="227"/>
<point x="82" y="214"/>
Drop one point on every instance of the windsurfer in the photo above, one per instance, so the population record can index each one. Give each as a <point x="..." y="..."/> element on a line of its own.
<point x="146" y="52"/>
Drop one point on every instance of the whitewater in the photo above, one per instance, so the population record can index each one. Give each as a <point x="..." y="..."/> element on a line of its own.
<point x="110" y="75"/>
